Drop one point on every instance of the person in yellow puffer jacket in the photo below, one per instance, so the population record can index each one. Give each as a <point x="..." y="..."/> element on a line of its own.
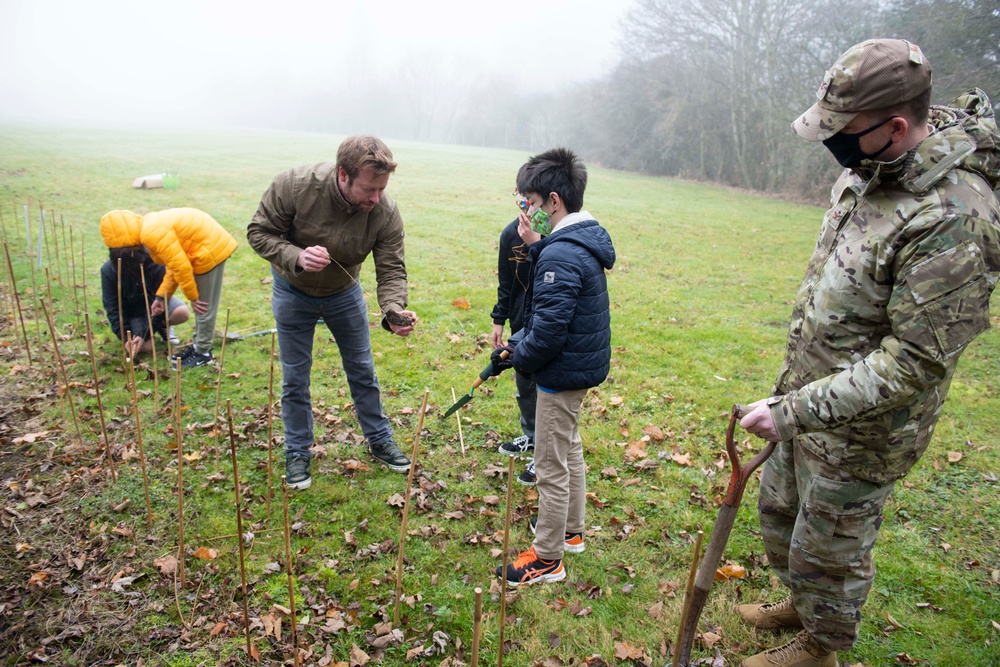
<point x="194" y="248"/>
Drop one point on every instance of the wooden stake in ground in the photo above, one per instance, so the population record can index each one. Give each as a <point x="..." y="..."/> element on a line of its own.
<point x="503" y="571"/>
<point x="477" y="623"/>
<point x="686" y="606"/>
<point x="34" y="293"/>
<point x="152" y="337"/>
<point x="218" y="390"/>
<point x="288" y="567"/>
<point x="17" y="300"/>
<point x="270" y="426"/>
<point x="72" y="259"/>
<point x="239" y="522"/>
<point x="138" y="439"/>
<point x="41" y="238"/>
<point x="83" y="271"/>
<point x="406" y="509"/>
<point x="178" y="436"/>
<point x="100" y="406"/>
<point x="121" y="319"/>
<point x="62" y="370"/>
<point x="27" y="232"/>
<point x="458" y="419"/>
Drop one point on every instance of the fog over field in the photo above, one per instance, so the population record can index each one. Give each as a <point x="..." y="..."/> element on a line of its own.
<point x="257" y="63"/>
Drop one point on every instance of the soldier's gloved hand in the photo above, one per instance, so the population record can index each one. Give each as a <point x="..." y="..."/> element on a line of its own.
<point x="501" y="358"/>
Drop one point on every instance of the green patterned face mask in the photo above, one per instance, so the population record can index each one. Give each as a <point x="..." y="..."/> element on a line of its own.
<point x="541" y="222"/>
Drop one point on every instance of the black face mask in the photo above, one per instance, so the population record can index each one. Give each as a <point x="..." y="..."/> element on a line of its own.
<point x="846" y="148"/>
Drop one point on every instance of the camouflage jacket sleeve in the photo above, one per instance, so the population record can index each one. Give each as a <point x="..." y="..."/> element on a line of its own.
<point x="938" y="303"/>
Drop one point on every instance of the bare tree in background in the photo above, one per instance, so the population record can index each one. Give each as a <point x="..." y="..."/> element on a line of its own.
<point x="741" y="67"/>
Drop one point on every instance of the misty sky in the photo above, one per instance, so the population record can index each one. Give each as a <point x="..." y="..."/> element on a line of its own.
<point x="208" y="62"/>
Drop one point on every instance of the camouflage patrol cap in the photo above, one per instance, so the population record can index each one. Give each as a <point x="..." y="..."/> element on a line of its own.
<point x="875" y="74"/>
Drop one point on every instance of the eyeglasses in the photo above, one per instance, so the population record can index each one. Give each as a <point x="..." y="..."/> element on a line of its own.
<point x="522" y="201"/>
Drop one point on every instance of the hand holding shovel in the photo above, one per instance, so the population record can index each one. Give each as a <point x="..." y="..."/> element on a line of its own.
<point x="720" y="535"/>
<point x="485" y="375"/>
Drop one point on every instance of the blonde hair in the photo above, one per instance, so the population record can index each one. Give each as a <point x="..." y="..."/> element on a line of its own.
<point x="365" y="152"/>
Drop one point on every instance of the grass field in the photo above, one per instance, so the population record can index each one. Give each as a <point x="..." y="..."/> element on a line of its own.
<point x="700" y="297"/>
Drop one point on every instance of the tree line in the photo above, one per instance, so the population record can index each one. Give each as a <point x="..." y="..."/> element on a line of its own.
<point x="703" y="90"/>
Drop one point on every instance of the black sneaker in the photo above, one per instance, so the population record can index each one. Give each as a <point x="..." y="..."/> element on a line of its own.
<point x="297" y="472"/>
<point x="572" y="542"/>
<point x="517" y="446"/>
<point x="528" y="477"/>
<point x="530" y="569"/>
<point x="388" y="453"/>
<point x="182" y="354"/>
<point x="196" y="359"/>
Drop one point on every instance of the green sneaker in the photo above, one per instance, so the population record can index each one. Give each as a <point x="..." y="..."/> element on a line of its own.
<point x="297" y="472"/>
<point x="388" y="453"/>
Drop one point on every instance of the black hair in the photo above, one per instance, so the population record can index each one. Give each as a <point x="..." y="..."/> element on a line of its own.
<point x="131" y="256"/>
<point x="557" y="170"/>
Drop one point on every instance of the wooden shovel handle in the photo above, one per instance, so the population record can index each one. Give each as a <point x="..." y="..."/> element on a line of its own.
<point x="489" y="371"/>
<point x="739" y="476"/>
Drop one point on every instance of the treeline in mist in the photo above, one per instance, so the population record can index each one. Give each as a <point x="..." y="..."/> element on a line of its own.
<point x="703" y="90"/>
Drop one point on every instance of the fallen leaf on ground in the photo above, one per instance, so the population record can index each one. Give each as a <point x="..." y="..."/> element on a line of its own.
<point x="167" y="565"/>
<point x="954" y="457"/>
<point x="461" y="302"/>
<point x="204" y="553"/>
<point x="358" y="657"/>
<point x="625" y="651"/>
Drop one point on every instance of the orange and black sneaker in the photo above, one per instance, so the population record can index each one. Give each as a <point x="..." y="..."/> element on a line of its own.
<point x="530" y="569"/>
<point x="572" y="542"/>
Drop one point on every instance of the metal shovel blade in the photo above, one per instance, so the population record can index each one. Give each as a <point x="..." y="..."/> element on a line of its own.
<point x="459" y="403"/>
<point x="484" y="375"/>
<point x="233" y="335"/>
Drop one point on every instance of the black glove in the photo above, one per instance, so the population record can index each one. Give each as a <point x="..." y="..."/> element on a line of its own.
<point x="501" y="361"/>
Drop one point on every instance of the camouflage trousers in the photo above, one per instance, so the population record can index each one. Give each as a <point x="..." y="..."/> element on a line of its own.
<point x="819" y="525"/>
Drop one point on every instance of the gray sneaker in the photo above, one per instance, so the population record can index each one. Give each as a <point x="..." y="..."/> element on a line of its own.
<point x="297" y="472"/>
<point x="388" y="453"/>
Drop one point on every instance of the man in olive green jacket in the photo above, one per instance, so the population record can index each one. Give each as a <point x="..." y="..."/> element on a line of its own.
<point x="317" y="224"/>
<point x="898" y="285"/>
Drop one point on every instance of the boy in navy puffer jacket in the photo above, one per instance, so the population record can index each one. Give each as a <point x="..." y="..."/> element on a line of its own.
<point x="565" y="348"/>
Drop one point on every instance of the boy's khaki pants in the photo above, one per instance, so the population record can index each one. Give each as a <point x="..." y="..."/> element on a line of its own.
<point x="562" y="481"/>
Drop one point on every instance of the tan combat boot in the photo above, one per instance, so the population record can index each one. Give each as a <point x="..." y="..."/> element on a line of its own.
<point x="770" y="616"/>
<point x="800" y="652"/>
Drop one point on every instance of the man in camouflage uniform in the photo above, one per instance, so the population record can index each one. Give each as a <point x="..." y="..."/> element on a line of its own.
<point x="898" y="285"/>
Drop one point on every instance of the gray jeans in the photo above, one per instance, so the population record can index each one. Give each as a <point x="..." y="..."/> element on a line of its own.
<point x="346" y="315"/>
<point x="209" y="290"/>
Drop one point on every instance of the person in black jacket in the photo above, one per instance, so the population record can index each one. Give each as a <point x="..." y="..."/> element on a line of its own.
<point x="513" y="267"/>
<point x="565" y="346"/>
<point x="133" y="312"/>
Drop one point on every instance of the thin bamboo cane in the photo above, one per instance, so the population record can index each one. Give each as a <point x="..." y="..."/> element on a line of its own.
<point x="121" y="320"/>
<point x="62" y="371"/>
<point x="17" y="232"/>
<point x="406" y="508"/>
<point x="138" y="438"/>
<point x="100" y="404"/>
<point x="506" y="542"/>
<point x="239" y="522"/>
<point x="72" y="257"/>
<point x="17" y="301"/>
<point x="458" y="420"/>
<point x="27" y="232"/>
<point x="34" y="313"/>
<point x="477" y="625"/>
<point x="218" y="390"/>
<point x="43" y="238"/>
<point x="288" y="568"/>
<point x="270" y="426"/>
<point x="178" y="436"/>
<point x="152" y="337"/>
<point x="83" y="271"/>
<point x="55" y="244"/>
<point x="62" y="229"/>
